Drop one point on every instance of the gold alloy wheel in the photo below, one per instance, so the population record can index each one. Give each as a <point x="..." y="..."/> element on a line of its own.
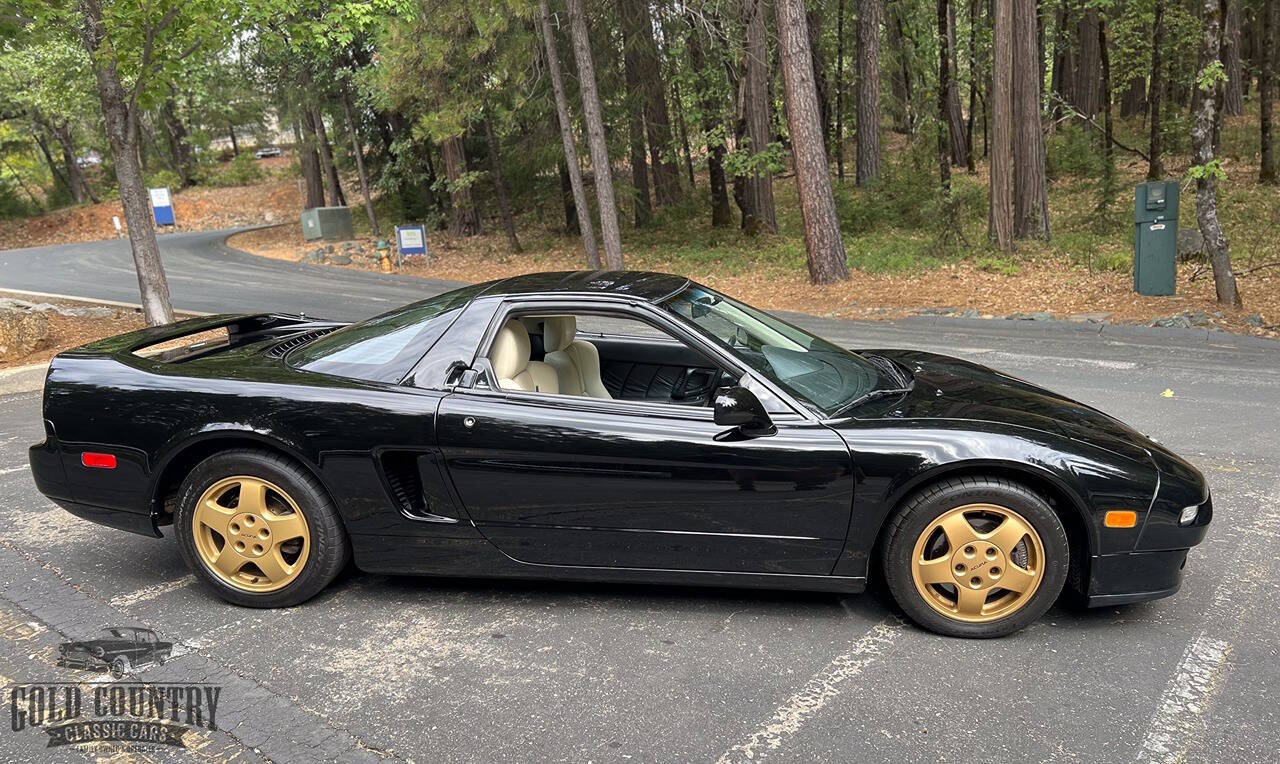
<point x="978" y="563"/>
<point x="251" y="534"/>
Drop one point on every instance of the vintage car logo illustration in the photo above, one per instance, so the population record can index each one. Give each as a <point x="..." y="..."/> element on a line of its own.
<point x="119" y="649"/>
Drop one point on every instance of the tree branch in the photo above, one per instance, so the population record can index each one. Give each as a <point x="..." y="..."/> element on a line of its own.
<point x="1072" y="112"/>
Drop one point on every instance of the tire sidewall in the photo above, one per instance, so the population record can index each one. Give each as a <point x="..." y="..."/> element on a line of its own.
<point x="924" y="508"/>
<point x="328" y="543"/>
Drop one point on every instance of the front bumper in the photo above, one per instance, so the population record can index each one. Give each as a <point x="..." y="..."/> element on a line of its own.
<point x="1120" y="579"/>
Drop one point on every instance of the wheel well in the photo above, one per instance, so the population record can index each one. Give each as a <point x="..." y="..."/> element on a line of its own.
<point x="1060" y="501"/>
<point x="165" y="496"/>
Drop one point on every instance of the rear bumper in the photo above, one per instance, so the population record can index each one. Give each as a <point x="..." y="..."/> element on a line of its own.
<point x="76" y="489"/>
<point x="1119" y="579"/>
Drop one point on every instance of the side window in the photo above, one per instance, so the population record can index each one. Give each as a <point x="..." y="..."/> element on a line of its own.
<point x="603" y="356"/>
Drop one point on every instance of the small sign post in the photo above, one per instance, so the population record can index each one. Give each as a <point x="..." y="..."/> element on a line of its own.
<point x="162" y="206"/>
<point x="411" y="241"/>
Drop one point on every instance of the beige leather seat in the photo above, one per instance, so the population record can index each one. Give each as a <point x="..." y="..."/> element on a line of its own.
<point x="510" y="359"/>
<point x="576" y="362"/>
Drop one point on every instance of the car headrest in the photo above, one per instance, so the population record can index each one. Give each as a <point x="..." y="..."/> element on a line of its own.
<point x="510" y="352"/>
<point x="558" y="332"/>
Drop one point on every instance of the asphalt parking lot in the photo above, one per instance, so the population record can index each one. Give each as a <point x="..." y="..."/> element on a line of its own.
<point x="480" y="671"/>
<point x="445" y="670"/>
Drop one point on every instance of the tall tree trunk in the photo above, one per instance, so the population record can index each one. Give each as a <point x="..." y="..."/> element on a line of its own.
<point x="1215" y="241"/>
<point x="54" y="170"/>
<point x="902" y="112"/>
<point x="632" y="66"/>
<point x="235" y="146"/>
<point x="75" y="174"/>
<point x="463" y="218"/>
<point x="946" y="89"/>
<point x="595" y="138"/>
<point x="571" y="223"/>
<point x="1088" y="67"/>
<point x="331" y="183"/>
<point x="684" y="131"/>
<point x="1155" y="93"/>
<point x="1134" y="102"/>
<point x="176" y="136"/>
<point x="955" y="113"/>
<point x="840" y="88"/>
<point x="710" y="106"/>
<point x="1030" y="192"/>
<point x="499" y="182"/>
<point x="813" y="177"/>
<point x="974" y="74"/>
<point x="120" y="115"/>
<point x="1108" y="130"/>
<point x="758" y="211"/>
<point x="1062" y="81"/>
<point x="869" y="19"/>
<point x="1233" y="101"/>
<point x="309" y="160"/>
<point x="358" y="152"/>
<point x="1001" y="208"/>
<point x="657" y="122"/>
<point x="1266" y="92"/>
<point x="572" y="168"/>
<point x="813" y="19"/>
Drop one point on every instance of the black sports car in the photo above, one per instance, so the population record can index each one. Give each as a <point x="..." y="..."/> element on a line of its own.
<point x="610" y="427"/>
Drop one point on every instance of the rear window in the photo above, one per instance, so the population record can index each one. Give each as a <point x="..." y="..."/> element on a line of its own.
<point x="384" y="348"/>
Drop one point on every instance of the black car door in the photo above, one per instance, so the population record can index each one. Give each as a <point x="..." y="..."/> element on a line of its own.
<point x="567" y="480"/>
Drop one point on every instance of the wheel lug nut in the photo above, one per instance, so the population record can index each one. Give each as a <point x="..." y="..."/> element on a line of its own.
<point x="968" y="551"/>
<point x="995" y="572"/>
<point x="959" y="568"/>
<point x="975" y="581"/>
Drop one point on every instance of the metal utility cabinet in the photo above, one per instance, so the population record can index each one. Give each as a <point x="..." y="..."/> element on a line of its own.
<point x="328" y="223"/>
<point x="1155" y="242"/>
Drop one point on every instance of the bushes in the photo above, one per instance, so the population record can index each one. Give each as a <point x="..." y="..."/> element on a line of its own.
<point x="1073" y="151"/>
<point x="241" y="171"/>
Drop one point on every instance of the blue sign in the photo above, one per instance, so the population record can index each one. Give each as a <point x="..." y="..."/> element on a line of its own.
<point x="411" y="240"/>
<point x="162" y="206"/>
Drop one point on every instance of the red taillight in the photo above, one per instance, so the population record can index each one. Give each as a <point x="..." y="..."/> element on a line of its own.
<point x="104" y="461"/>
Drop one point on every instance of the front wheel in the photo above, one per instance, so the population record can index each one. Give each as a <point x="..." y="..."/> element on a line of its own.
<point x="259" y="530"/>
<point x="975" y="557"/>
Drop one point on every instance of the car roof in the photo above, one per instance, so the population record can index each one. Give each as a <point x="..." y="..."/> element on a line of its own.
<point x="643" y="285"/>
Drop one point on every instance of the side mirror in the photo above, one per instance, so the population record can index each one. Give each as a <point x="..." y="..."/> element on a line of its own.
<point x="740" y="408"/>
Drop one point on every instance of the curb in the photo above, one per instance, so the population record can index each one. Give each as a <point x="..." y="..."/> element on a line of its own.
<point x="1129" y="332"/>
<point x="23" y="379"/>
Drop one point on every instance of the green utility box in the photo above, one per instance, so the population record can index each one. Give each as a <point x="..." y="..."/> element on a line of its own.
<point x="1155" y="242"/>
<point x="328" y="223"/>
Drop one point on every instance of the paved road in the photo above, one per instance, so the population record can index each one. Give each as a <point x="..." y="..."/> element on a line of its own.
<point x="437" y="670"/>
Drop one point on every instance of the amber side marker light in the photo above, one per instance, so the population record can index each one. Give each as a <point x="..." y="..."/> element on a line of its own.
<point x="1120" y="518"/>
<point x="102" y="461"/>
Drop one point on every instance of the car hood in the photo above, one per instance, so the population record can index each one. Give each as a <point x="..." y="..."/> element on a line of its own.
<point x="952" y="388"/>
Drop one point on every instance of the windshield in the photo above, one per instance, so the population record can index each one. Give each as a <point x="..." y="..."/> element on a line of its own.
<point x="384" y="348"/>
<point x="822" y="375"/>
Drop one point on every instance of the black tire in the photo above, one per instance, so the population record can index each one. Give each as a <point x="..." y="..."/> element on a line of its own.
<point x="119" y="667"/>
<point x="919" y="511"/>
<point x="329" y="546"/>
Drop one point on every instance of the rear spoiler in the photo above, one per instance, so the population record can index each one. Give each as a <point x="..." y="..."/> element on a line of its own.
<point x="242" y="329"/>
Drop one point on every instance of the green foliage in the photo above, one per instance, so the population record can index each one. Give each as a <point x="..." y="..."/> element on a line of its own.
<point x="1073" y="152"/>
<point x="241" y="171"/>
<point x="1213" y="73"/>
<point x="743" y="161"/>
<point x="164" y="178"/>
<point x="1005" y="266"/>
<point x="1211" y="171"/>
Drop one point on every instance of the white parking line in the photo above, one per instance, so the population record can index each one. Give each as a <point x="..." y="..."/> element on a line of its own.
<point x="11" y="470"/>
<point x="816" y="693"/>
<point x="1183" y="701"/>
<point x="150" y="592"/>
<point x="1201" y="673"/>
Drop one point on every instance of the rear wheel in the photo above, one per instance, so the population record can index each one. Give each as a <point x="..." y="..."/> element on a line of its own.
<point x="259" y="530"/>
<point x="975" y="557"/>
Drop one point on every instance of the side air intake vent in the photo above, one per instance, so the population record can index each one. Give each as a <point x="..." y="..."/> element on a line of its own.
<point x="404" y="481"/>
<point x="297" y="340"/>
